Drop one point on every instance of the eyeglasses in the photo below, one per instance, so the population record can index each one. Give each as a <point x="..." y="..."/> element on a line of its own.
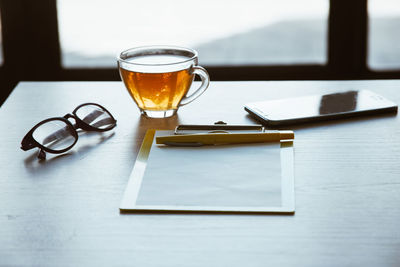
<point x="58" y="135"/>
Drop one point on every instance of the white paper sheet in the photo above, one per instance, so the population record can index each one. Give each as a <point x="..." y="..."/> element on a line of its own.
<point x="225" y="175"/>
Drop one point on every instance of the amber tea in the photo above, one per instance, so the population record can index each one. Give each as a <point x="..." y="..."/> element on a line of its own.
<point x="157" y="91"/>
<point x="158" y="78"/>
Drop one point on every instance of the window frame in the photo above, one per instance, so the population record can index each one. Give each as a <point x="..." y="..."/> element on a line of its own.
<point x="30" y="34"/>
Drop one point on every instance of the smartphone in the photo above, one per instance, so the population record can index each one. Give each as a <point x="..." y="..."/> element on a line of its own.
<point x="319" y="107"/>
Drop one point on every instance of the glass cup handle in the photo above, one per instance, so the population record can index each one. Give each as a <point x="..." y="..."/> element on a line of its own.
<point x="205" y="81"/>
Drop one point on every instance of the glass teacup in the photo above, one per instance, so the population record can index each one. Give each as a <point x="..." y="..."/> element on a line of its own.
<point x="159" y="77"/>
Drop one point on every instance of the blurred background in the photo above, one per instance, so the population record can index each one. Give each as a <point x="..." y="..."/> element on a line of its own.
<point x="236" y="39"/>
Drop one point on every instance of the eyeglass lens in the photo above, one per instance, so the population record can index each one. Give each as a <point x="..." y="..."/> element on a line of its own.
<point x="95" y="116"/>
<point x="56" y="135"/>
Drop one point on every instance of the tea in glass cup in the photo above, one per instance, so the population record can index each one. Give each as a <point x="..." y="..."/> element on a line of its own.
<point x="159" y="77"/>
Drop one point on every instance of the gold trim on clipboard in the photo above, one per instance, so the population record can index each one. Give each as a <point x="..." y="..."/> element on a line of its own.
<point x="135" y="180"/>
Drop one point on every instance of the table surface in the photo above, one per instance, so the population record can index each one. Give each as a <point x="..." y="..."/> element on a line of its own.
<point x="65" y="211"/>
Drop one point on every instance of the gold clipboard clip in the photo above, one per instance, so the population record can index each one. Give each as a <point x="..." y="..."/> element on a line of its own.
<point x="218" y="127"/>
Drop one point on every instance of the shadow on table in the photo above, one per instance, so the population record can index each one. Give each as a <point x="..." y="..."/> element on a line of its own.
<point x="85" y="144"/>
<point x="144" y="123"/>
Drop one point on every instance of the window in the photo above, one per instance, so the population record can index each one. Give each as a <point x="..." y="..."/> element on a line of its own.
<point x="225" y="32"/>
<point x="384" y="35"/>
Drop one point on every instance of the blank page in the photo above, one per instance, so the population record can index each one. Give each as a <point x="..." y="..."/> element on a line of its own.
<point x="245" y="175"/>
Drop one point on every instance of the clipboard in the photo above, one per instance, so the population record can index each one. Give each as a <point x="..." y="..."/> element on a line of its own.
<point x="242" y="178"/>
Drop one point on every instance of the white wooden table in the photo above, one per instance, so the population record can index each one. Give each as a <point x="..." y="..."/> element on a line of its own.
<point x="64" y="211"/>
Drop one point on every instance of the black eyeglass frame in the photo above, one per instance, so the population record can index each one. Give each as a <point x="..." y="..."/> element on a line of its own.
<point x="28" y="142"/>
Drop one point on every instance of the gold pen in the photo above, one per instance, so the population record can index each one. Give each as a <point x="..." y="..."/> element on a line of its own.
<point x="224" y="138"/>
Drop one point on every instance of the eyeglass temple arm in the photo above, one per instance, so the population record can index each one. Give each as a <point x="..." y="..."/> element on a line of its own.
<point x="104" y="121"/>
<point x="92" y="116"/>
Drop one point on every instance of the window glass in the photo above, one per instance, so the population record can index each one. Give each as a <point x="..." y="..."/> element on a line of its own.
<point x="384" y="35"/>
<point x="224" y="32"/>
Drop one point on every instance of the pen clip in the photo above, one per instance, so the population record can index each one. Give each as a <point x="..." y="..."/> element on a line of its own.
<point x="218" y="127"/>
<point x="183" y="144"/>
